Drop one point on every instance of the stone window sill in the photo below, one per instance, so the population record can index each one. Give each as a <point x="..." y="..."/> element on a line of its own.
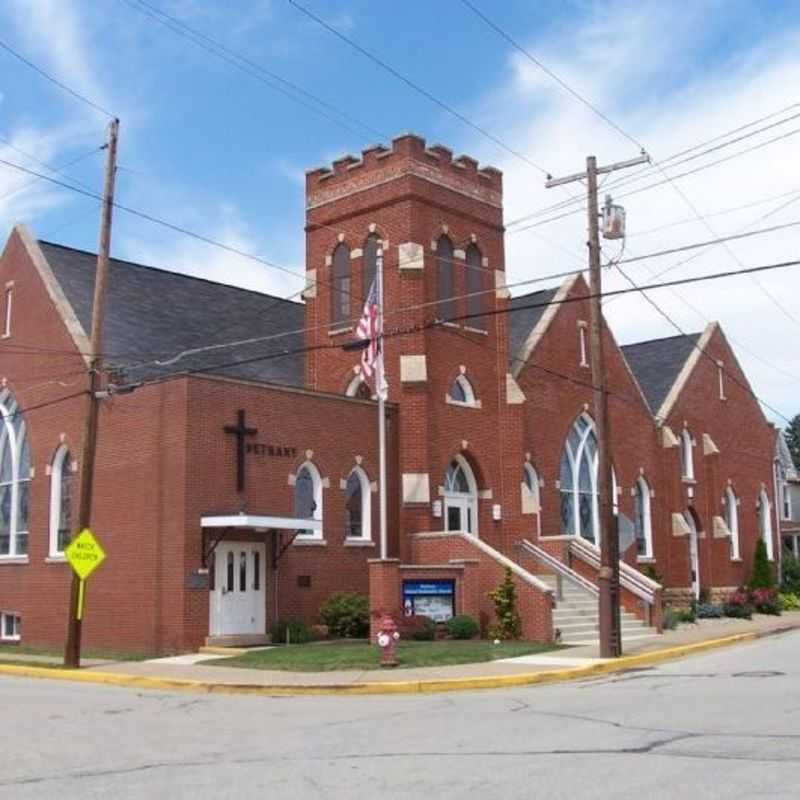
<point x="356" y="542"/>
<point x="14" y="560"/>
<point x="688" y="481"/>
<point x="56" y="559"/>
<point x="645" y="560"/>
<point x="338" y="331"/>
<point x="736" y="560"/>
<point x="298" y="542"/>
<point x="461" y="403"/>
<point x="481" y="331"/>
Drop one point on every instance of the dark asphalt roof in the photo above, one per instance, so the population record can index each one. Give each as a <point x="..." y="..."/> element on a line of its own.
<point x="656" y="364"/>
<point x="154" y="313"/>
<point x="521" y="322"/>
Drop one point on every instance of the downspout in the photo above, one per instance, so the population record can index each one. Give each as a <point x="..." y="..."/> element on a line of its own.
<point x="778" y="517"/>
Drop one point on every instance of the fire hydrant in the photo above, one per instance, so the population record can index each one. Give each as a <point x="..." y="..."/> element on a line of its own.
<point x="387" y="641"/>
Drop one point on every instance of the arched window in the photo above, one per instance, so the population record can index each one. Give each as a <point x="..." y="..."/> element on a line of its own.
<point x="340" y="285"/>
<point x="446" y="307"/>
<point x="578" y="481"/>
<point x="530" y="490"/>
<point x="687" y="458"/>
<point x="476" y="300"/>
<point x="15" y="474"/>
<point x="765" y="521"/>
<point x="371" y="247"/>
<point x="643" y="522"/>
<point x="359" y="388"/>
<point x="460" y="494"/>
<point x="461" y="392"/>
<point x="308" y="497"/>
<point x="732" y="520"/>
<point x="358" y="508"/>
<point x="60" y="501"/>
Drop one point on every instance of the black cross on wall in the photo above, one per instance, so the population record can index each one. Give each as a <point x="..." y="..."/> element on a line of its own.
<point x="240" y="431"/>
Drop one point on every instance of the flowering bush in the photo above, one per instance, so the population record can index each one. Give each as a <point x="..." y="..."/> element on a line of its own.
<point x="765" y="601"/>
<point x="738" y="605"/>
<point x="789" y="601"/>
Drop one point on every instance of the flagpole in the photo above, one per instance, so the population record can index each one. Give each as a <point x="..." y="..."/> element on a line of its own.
<point x="380" y="386"/>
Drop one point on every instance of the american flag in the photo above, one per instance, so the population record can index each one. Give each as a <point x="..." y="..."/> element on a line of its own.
<point x="367" y="330"/>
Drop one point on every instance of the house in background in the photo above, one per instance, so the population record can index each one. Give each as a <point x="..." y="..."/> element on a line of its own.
<point x="788" y="478"/>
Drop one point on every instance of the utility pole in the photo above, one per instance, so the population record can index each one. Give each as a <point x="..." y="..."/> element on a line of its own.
<point x="72" y="649"/>
<point x="608" y="575"/>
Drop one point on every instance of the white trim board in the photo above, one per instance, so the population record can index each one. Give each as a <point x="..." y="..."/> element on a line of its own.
<point x="259" y="522"/>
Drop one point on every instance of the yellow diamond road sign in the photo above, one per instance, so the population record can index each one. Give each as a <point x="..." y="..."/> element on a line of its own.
<point x="85" y="554"/>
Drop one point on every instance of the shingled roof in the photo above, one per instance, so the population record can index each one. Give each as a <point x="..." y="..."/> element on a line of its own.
<point x="657" y="363"/>
<point x="155" y="314"/>
<point x="522" y="320"/>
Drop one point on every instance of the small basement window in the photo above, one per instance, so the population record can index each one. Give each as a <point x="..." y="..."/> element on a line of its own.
<point x="10" y="626"/>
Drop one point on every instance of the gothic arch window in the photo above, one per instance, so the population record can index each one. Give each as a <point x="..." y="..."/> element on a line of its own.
<point x="445" y="283"/>
<point x="61" y="487"/>
<point x="476" y="299"/>
<point x="340" y="287"/>
<point x="578" y="481"/>
<point x="643" y="522"/>
<point x="731" y="509"/>
<point x="461" y="392"/>
<point x="371" y="247"/>
<point x="460" y="497"/>
<point x="15" y="474"/>
<point x="358" y="506"/>
<point x="687" y="457"/>
<point x="530" y="490"/>
<point x="765" y="521"/>
<point x="359" y="388"/>
<point x="308" y="497"/>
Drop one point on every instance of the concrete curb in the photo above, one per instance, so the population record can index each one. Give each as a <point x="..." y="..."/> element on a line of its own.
<point x="392" y="687"/>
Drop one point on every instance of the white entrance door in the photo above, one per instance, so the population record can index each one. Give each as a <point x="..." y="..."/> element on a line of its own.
<point x="459" y="514"/>
<point x="694" y="557"/>
<point x="238" y="604"/>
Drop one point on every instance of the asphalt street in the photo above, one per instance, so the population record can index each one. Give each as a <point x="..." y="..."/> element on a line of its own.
<point x="722" y="725"/>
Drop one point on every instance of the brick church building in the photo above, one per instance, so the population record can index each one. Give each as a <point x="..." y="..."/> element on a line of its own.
<point x="491" y="445"/>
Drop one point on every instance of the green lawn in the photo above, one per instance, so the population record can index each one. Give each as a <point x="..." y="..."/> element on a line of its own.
<point x="9" y="651"/>
<point x="327" y="656"/>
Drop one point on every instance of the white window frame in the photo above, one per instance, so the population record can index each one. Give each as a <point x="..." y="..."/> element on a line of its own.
<point x="642" y="489"/>
<point x="582" y="343"/>
<point x="468" y="390"/>
<point x="316" y="480"/>
<point x="16" y="440"/>
<point x="530" y="494"/>
<point x="468" y="499"/>
<point x="765" y="522"/>
<point x="366" y="506"/>
<point x="9" y="304"/>
<point x="59" y="463"/>
<point x="687" y="456"/>
<point x="721" y="374"/>
<point x="354" y="385"/>
<point x="732" y="521"/>
<point x="575" y="460"/>
<point x="17" y="624"/>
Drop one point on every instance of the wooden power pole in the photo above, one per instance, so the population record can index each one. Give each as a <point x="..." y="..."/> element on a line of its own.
<point x="72" y="650"/>
<point x="608" y="576"/>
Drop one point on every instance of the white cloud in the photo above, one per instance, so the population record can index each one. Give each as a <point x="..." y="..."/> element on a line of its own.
<point x="653" y="87"/>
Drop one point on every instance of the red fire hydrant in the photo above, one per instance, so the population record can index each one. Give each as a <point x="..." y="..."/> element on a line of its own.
<point x="387" y="641"/>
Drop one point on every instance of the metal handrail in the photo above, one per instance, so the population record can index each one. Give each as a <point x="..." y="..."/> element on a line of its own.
<point x="559" y="567"/>
<point x="631" y="579"/>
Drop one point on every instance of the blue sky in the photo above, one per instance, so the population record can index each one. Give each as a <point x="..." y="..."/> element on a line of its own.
<point x="215" y="150"/>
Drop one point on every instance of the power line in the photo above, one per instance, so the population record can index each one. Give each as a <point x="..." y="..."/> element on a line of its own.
<point x="417" y="88"/>
<point x="55" y="81"/>
<point x="250" y="67"/>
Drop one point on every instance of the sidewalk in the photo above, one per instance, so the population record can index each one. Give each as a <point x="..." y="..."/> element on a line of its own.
<point x="191" y="673"/>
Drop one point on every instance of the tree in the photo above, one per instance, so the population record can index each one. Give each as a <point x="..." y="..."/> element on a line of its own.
<point x="792" y="436"/>
<point x="509" y="624"/>
<point x="763" y="576"/>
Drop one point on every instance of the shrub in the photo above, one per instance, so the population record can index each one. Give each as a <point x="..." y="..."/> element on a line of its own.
<point x="285" y="631"/>
<point x="765" y="601"/>
<point x="652" y="573"/>
<point x="422" y="629"/>
<point x="509" y="624"/>
<point x="738" y="605"/>
<point x="791" y="574"/>
<point x="686" y="614"/>
<point x="671" y="619"/>
<point x="462" y="627"/>
<point x="709" y="611"/>
<point x="346" y="614"/>
<point x="763" y="575"/>
<point x="789" y="601"/>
